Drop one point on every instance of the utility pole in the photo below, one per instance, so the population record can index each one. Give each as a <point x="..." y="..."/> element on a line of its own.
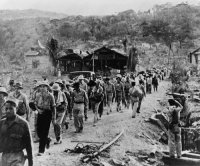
<point x="93" y="62"/>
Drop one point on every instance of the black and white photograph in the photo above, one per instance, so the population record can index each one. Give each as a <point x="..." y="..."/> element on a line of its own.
<point x="99" y="83"/>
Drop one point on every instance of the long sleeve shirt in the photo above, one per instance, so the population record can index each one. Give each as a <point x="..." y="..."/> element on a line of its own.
<point x="15" y="136"/>
<point x="23" y="100"/>
<point x="80" y="96"/>
<point x="119" y="88"/>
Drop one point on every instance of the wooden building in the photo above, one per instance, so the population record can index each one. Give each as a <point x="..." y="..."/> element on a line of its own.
<point x="70" y="61"/>
<point x="194" y="57"/>
<point x="37" y="59"/>
<point x="105" y="59"/>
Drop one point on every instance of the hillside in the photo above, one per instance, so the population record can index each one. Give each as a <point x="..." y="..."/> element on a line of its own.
<point x="29" y="13"/>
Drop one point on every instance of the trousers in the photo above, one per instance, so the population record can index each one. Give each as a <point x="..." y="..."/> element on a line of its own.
<point x="139" y="104"/>
<point x="127" y="97"/>
<point x="58" y="125"/>
<point x="118" y="100"/>
<point x="134" y="107"/>
<point x="95" y="108"/>
<point x="174" y="143"/>
<point x="78" y="113"/>
<point x="35" y="125"/>
<point x="13" y="159"/>
<point x="155" y="87"/>
<point x="109" y="97"/>
<point x="43" y="125"/>
<point x="100" y="110"/>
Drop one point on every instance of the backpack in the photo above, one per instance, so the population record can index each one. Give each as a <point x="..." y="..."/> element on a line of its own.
<point x="137" y="93"/>
<point x="21" y="109"/>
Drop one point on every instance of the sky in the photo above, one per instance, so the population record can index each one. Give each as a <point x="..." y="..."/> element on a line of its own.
<point x="87" y="7"/>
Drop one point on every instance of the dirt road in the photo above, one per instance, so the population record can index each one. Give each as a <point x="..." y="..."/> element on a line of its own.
<point x="135" y="138"/>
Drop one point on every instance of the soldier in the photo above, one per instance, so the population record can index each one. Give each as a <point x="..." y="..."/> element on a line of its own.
<point x="174" y="135"/>
<point x="46" y="107"/>
<point x="183" y="100"/>
<point x="3" y="94"/>
<point x="96" y="96"/>
<point x="155" y="83"/>
<point x="61" y="108"/>
<point x="101" y="105"/>
<point x="127" y="86"/>
<point x="34" y="93"/>
<point x="83" y="86"/>
<point x="15" y="137"/>
<point x="119" y="91"/>
<point x="79" y="104"/>
<point x="67" y="91"/>
<point x="32" y="90"/>
<point x="149" y="83"/>
<point x="23" y="107"/>
<point x="110" y="93"/>
<point x="11" y="87"/>
<point x="142" y="88"/>
<point x="134" y="93"/>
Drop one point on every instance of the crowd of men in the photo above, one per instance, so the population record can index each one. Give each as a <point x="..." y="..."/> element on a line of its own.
<point x="59" y="102"/>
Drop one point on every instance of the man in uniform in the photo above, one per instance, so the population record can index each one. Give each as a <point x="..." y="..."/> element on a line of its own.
<point x="3" y="94"/>
<point x="119" y="88"/>
<point x="79" y="104"/>
<point x="143" y="94"/>
<point x="23" y="107"/>
<point x="11" y="87"/>
<point x="96" y="97"/>
<point x="127" y="86"/>
<point x="14" y="137"/>
<point x="83" y="86"/>
<point x="110" y="93"/>
<point x="174" y="135"/>
<point x="61" y="108"/>
<point x="46" y="107"/>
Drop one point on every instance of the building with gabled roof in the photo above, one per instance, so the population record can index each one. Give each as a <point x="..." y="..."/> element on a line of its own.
<point x="194" y="57"/>
<point x="105" y="59"/>
<point x="70" y="61"/>
<point x="37" y="59"/>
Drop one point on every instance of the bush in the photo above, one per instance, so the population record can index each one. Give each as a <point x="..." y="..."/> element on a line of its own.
<point x="179" y="73"/>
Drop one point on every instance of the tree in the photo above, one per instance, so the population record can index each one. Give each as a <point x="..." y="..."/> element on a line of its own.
<point x="2" y="39"/>
<point x="52" y="46"/>
<point x="132" y="59"/>
<point x="66" y="30"/>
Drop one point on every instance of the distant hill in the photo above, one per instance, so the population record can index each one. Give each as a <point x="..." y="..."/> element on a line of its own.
<point x="29" y="13"/>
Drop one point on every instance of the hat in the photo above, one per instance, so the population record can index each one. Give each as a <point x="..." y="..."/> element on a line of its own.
<point x="67" y="83"/>
<point x="107" y="79"/>
<point x="56" y="87"/>
<point x="118" y="76"/>
<point x="80" y="77"/>
<point x="173" y="102"/>
<point x="99" y="77"/>
<point x="3" y="90"/>
<point x="179" y="94"/>
<point x="13" y="100"/>
<point x="43" y="83"/>
<point x="11" y="82"/>
<point x="91" y="83"/>
<point x="36" y="85"/>
<point x="76" y="84"/>
<point x="98" y="81"/>
<point x="19" y="85"/>
<point x="59" y="81"/>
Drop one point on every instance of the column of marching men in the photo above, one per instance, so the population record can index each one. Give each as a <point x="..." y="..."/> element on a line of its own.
<point x="60" y="101"/>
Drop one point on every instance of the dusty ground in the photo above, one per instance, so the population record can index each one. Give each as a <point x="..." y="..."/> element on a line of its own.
<point x="108" y="127"/>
